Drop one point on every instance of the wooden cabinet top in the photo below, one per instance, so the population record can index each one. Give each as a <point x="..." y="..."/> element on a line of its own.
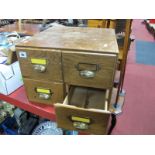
<point x="75" y="38"/>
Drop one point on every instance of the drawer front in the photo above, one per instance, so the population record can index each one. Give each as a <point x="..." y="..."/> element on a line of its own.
<point x="40" y="64"/>
<point x="44" y="92"/>
<point x="83" y="120"/>
<point x="89" y="69"/>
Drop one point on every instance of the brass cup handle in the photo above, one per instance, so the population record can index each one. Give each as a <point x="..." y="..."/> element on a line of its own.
<point x="87" y="74"/>
<point x="44" y="96"/>
<point x="39" y="68"/>
<point x="80" y="125"/>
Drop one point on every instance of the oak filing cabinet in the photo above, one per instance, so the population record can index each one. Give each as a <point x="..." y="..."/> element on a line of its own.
<point x="72" y="68"/>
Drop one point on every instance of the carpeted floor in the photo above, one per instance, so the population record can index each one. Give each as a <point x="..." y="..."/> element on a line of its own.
<point x="138" y="115"/>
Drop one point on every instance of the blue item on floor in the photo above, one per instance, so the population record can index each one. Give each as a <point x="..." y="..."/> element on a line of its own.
<point x="145" y="52"/>
<point x="7" y="126"/>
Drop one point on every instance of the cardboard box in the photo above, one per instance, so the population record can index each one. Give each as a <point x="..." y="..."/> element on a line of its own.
<point x="10" y="78"/>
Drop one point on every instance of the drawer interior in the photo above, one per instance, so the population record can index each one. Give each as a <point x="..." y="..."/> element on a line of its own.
<point x="87" y="98"/>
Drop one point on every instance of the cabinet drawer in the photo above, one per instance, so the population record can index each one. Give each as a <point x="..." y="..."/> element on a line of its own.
<point x="89" y="69"/>
<point x="40" y="64"/>
<point x="84" y="110"/>
<point x="44" y="92"/>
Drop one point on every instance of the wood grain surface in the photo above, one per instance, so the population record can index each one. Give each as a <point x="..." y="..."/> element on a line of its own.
<point x="104" y="76"/>
<point x="85" y="97"/>
<point x="28" y="29"/>
<point x="53" y="67"/>
<point x="86" y="39"/>
<point x="99" y="120"/>
<point x="57" y="91"/>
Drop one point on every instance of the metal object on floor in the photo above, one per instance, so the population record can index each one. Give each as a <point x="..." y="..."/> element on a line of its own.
<point x="119" y="105"/>
<point x="20" y="116"/>
<point x="71" y="132"/>
<point x="27" y="127"/>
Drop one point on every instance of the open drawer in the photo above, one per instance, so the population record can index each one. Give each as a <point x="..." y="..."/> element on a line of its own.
<point x="85" y="110"/>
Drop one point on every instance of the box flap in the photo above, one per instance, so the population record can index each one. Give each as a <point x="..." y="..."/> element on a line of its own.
<point x="3" y="60"/>
<point x="6" y="71"/>
<point x="16" y="68"/>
